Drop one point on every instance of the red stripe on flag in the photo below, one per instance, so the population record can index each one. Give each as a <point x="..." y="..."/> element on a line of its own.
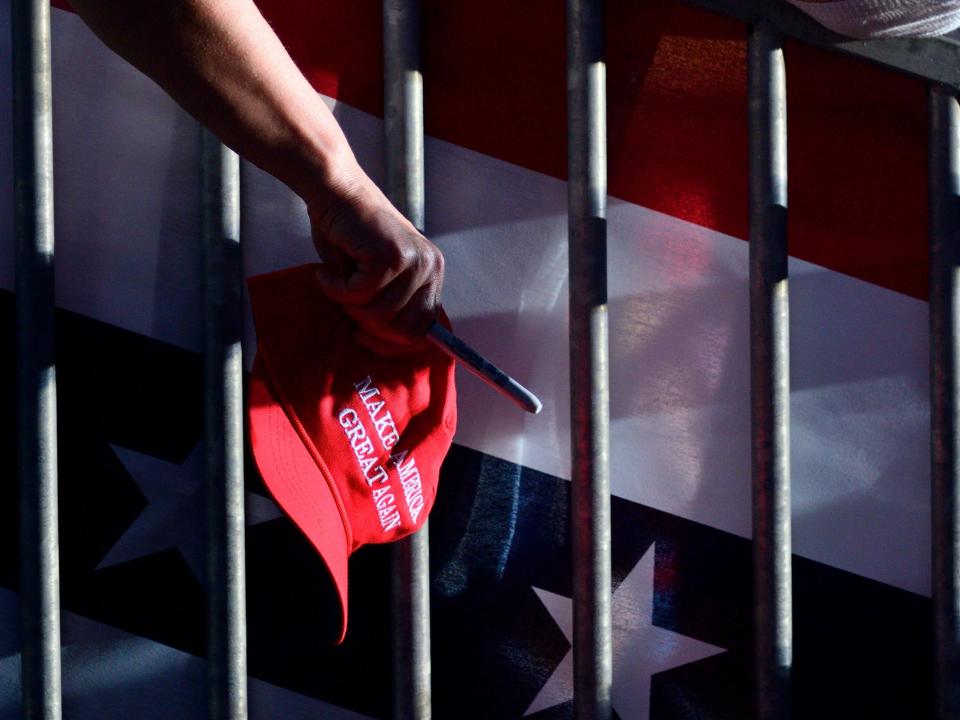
<point x="494" y="82"/>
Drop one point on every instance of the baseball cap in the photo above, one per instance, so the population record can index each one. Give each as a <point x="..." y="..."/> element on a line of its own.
<point x="349" y="443"/>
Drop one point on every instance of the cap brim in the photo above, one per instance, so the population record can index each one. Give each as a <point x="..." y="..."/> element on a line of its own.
<point x="297" y="484"/>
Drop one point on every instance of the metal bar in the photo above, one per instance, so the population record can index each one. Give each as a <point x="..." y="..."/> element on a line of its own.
<point x="411" y="627"/>
<point x="589" y="382"/>
<point x="223" y="368"/>
<point x="934" y="59"/>
<point x="769" y="373"/>
<point x="403" y="107"/>
<point x="36" y="369"/>
<point x="944" y="389"/>
<point x="403" y="124"/>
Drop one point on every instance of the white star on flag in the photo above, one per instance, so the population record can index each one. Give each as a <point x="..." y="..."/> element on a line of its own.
<point x="174" y="515"/>
<point x="640" y="648"/>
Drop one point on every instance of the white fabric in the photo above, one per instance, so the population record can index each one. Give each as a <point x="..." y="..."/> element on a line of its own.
<point x="885" y="18"/>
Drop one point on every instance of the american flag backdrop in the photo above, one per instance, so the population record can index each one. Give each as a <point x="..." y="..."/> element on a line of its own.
<point x="130" y="378"/>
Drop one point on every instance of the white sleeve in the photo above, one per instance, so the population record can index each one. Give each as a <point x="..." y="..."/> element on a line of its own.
<point x="885" y="18"/>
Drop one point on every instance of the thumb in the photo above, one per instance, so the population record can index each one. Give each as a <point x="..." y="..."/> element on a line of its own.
<point x="333" y="280"/>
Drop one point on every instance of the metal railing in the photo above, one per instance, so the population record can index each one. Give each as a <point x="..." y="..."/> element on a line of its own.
<point x="769" y="371"/>
<point x="403" y="130"/>
<point x="589" y="377"/>
<point x="223" y="431"/>
<point x="936" y="61"/>
<point x="36" y="367"/>
<point x="944" y="390"/>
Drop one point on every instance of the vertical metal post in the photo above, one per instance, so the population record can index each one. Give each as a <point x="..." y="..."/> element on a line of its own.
<point x="411" y="627"/>
<point x="769" y="374"/>
<point x="944" y="389"/>
<point x="403" y="107"/>
<point x="403" y="121"/>
<point x="36" y="370"/>
<point x="589" y="382"/>
<point x="223" y="368"/>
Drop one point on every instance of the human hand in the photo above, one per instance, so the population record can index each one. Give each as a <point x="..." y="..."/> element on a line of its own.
<point x="224" y="64"/>
<point x="377" y="265"/>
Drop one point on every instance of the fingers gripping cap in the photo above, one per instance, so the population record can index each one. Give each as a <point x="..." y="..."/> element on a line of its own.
<point x="348" y="443"/>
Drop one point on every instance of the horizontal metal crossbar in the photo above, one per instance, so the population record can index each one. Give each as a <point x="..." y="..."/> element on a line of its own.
<point x="935" y="59"/>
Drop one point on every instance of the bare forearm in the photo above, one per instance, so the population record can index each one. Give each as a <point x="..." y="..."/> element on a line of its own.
<point x="221" y="61"/>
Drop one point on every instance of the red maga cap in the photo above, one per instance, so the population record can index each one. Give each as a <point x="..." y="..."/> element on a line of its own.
<point x="349" y="443"/>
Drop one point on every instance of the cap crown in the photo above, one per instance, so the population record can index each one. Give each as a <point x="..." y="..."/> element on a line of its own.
<point x="378" y="428"/>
